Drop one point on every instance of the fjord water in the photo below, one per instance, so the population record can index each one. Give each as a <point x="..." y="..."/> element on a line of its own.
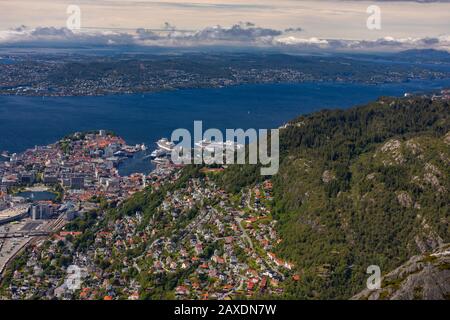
<point x="29" y="121"/>
<point x="37" y="195"/>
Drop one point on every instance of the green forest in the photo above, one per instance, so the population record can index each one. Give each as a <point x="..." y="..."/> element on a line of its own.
<point x="358" y="187"/>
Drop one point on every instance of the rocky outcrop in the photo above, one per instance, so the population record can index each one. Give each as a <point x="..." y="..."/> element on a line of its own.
<point x="328" y="176"/>
<point x="423" y="277"/>
<point x="431" y="177"/>
<point x="404" y="199"/>
<point x="392" y="149"/>
<point x="447" y="138"/>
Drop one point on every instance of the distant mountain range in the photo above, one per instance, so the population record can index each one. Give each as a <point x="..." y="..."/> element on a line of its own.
<point x="425" y="55"/>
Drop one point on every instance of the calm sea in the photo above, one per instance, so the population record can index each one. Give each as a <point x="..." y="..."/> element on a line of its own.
<point x="29" y="121"/>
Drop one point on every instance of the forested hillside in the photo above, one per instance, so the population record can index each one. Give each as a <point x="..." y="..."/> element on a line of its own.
<point x="359" y="187"/>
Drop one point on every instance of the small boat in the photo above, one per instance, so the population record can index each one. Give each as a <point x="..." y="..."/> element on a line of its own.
<point x="123" y="153"/>
<point x="158" y="153"/>
<point x="5" y="154"/>
<point x="160" y="160"/>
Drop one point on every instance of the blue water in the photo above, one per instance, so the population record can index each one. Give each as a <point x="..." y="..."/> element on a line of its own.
<point x="6" y="61"/>
<point x="29" y="121"/>
<point x="37" y="195"/>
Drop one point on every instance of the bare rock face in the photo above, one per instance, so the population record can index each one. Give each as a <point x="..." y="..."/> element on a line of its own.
<point x="423" y="277"/>
<point x="428" y="242"/>
<point x="431" y="177"/>
<point x="328" y="176"/>
<point x="414" y="147"/>
<point x="404" y="199"/>
<point x="447" y="138"/>
<point x="392" y="145"/>
<point x="393" y="149"/>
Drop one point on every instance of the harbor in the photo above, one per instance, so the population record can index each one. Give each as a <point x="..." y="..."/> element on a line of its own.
<point x="162" y="155"/>
<point x="45" y="187"/>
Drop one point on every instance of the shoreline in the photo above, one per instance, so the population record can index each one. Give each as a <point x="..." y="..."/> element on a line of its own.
<point x="37" y="189"/>
<point x="168" y="90"/>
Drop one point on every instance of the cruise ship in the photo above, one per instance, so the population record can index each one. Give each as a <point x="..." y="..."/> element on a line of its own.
<point x="211" y="146"/>
<point x="165" y="144"/>
<point x="161" y="161"/>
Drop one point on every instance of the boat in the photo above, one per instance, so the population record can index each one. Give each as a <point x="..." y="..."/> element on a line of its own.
<point x="122" y="153"/>
<point x="203" y="143"/>
<point x="165" y="144"/>
<point x="231" y="144"/>
<point x="212" y="146"/>
<point x="160" y="160"/>
<point x="158" y="153"/>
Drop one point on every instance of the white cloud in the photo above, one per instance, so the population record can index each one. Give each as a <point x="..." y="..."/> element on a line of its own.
<point x="238" y="33"/>
<point x="243" y="34"/>
<point x="325" y="19"/>
<point x="62" y="36"/>
<point x="383" y="44"/>
<point x="291" y="40"/>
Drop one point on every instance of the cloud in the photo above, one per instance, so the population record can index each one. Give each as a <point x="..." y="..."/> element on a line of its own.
<point x="245" y="32"/>
<point x="393" y="44"/>
<point x="298" y="29"/>
<point x="194" y="5"/>
<point x="294" y="41"/>
<point x="61" y="36"/>
<point x="394" y="1"/>
<point x="238" y="32"/>
<point x="241" y="34"/>
<point x="382" y="44"/>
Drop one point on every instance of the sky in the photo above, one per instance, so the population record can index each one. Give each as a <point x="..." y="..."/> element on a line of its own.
<point x="276" y="23"/>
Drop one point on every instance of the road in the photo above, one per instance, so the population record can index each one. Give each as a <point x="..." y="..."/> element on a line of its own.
<point x="244" y="233"/>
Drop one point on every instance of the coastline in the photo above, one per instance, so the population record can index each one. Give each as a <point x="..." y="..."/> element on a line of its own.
<point x="237" y="85"/>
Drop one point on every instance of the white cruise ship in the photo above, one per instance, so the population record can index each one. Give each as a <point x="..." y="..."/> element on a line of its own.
<point x="165" y="144"/>
<point x="211" y="146"/>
